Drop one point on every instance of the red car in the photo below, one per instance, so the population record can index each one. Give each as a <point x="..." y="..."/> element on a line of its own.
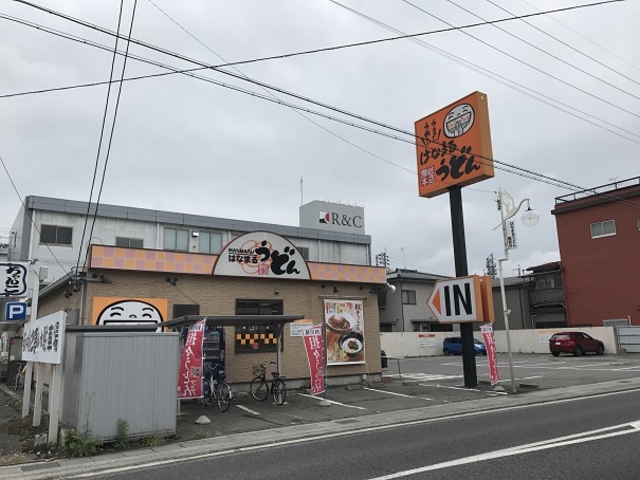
<point x="577" y="343"/>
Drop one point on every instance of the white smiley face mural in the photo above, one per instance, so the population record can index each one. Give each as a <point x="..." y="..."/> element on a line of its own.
<point x="130" y="312"/>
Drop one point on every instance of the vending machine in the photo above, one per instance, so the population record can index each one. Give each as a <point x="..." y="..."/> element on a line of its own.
<point x="213" y="349"/>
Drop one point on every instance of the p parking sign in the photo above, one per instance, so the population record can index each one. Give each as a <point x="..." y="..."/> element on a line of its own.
<point x="16" y="311"/>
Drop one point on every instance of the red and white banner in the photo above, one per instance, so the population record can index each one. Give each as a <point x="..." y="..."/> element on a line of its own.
<point x="190" y="376"/>
<point x="315" y="355"/>
<point x="490" y="345"/>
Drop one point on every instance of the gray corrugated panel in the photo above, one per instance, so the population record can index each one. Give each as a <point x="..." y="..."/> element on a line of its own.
<point x="48" y="204"/>
<point x="307" y="233"/>
<point x="628" y="340"/>
<point x="112" y="211"/>
<point x="208" y="222"/>
<point x="169" y="217"/>
<point x="141" y="214"/>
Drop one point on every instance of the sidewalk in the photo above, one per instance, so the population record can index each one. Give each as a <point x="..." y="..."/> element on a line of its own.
<point x="302" y="417"/>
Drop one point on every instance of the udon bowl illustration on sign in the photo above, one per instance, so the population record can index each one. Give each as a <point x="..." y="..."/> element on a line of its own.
<point x="352" y="343"/>
<point x="341" y="322"/>
<point x="459" y="120"/>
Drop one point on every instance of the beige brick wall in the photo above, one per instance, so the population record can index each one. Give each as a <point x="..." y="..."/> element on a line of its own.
<point x="217" y="296"/>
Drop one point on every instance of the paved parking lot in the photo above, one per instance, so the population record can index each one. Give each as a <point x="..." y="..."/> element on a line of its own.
<point x="542" y="370"/>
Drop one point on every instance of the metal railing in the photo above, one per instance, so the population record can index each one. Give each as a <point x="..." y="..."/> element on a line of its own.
<point x="590" y="192"/>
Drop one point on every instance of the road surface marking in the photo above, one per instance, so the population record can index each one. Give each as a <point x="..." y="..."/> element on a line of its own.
<point x="425" y="377"/>
<point x="394" y="393"/>
<point x="242" y="407"/>
<point x="531" y="378"/>
<point x="340" y="434"/>
<point x="594" y="435"/>
<point x="315" y="397"/>
<point x="455" y="388"/>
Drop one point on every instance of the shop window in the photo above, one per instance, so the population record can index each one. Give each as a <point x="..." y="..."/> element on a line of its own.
<point x="408" y="297"/>
<point x="181" y="310"/>
<point x="603" y="229"/>
<point x="55" y="235"/>
<point x="129" y="242"/>
<point x="304" y="251"/>
<point x="176" y="239"/>
<point x="257" y="338"/>
<point x="210" y="242"/>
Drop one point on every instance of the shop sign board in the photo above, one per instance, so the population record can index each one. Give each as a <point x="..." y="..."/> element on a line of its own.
<point x="453" y="146"/>
<point x="344" y="322"/>
<point x="490" y="345"/>
<point x="297" y="327"/>
<point x="190" y="375"/>
<point x="261" y="254"/>
<point x="314" y="347"/>
<point x="427" y="340"/>
<point x="459" y="300"/>
<point x="13" y="279"/>
<point x="129" y="311"/>
<point x="42" y="339"/>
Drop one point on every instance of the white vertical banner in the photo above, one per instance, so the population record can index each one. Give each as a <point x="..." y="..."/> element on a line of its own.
<point x="512" y="241"/>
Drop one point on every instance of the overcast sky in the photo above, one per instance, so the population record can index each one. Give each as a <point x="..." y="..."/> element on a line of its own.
<point x="185" y="145"/>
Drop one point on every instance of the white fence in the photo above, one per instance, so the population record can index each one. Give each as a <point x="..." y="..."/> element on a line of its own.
<point x="420" y="344"/>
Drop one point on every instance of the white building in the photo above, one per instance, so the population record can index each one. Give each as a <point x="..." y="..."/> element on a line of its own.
<point x="51" y="231"/>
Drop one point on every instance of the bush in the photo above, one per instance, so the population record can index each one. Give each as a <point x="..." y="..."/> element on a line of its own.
<point x="78" y="444"/>
<point x="121" y="441"/>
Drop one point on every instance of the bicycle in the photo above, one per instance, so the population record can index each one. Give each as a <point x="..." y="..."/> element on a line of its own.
<point x="260" y="387"/>
<point x="17" y="382"/>
<point x="218" y="390"/>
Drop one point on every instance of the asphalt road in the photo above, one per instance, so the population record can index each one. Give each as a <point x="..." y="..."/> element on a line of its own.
<point x="590" y="438"/>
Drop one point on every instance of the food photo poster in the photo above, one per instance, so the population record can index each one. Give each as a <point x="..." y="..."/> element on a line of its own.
<point x="344" y="322"/>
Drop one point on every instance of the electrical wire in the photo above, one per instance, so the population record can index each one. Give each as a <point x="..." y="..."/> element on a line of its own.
<point x="571" y="47"/>
<point x="28" y="212"/>
<point x="500" y="165"/>
<point x="101" y="138"/>
<point x="113" y="126"/>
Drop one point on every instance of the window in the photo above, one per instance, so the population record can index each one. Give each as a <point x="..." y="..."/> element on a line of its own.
<point x="129" y="242"/>
<point x="304" y="251"/>
<point x="548" y="281"/>
<point x="210" y="242"/>
<point x="176" y="239"/>
<point x="55" y="235"/>
<point x="603" y="229"/>
<point x="408" y="297"/>
<point x="256" y="339"/>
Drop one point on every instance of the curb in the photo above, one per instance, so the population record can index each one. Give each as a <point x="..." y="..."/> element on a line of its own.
<point x="259" y="439"/>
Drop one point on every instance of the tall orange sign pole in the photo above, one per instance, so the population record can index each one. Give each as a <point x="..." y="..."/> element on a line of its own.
<point x="453" y="147"/>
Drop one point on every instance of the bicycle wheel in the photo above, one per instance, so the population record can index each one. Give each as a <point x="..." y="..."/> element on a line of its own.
<point x="224" y="397"/>
<point x="259" y="389"/>
<point x="279" y="392"/>
<point x="207" y="392"/>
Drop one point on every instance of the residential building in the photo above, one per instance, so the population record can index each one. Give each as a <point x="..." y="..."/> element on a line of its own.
<point x="406" y="309"/>
<point x="599" y="240"/>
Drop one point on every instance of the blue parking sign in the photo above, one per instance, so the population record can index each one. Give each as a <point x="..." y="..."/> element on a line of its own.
<point x="16" y="311"/>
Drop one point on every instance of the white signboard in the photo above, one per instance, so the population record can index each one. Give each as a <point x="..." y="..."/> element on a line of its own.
<point x="427" y="340"/>
<point x="42" y="339"/>
<point x="297" y="328"/>
<point x="13" y="279"/>
<point x="512" y="241"/>
<point x="457" y="300"/>
<point x="262" y="254"/>
<point x="545" y="335"/>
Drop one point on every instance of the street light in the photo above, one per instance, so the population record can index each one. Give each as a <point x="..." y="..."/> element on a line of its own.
<point x="508" y="210"/>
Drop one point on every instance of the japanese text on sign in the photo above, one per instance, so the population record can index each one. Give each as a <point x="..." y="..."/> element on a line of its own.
<point x="315" y="355"/>
<point x="42" y="339"/>
<point x="190" y="376"/>
<point x="14" y="279"/>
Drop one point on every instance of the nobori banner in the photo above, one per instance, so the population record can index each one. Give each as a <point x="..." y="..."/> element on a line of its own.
<point x="454" y="146"/>
<point x="13" y="279"/>
<point x="42" y="339"/>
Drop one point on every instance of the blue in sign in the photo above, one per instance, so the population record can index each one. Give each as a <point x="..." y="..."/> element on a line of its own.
<point x="16" y="311"/>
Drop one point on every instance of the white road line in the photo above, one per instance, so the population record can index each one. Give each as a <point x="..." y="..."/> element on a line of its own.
<point x="453" y="388"/>
<point x="331" y="401"/>
<point x="425" y="377"/>
<point x="532" y="378"/>
<point x="394" y="393"/>
<point x="342" y="434"/>
<point x="242" y="407"/>
<point x="510" y="452"/>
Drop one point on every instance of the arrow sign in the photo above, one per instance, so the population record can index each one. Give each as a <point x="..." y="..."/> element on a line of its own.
<point x="457" y="300"/>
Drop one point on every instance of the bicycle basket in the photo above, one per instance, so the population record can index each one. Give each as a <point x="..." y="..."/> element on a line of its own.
<point x="259" y="370"/>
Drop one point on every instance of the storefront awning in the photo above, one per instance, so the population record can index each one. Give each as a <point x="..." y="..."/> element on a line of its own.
<point x="231" y="320"/>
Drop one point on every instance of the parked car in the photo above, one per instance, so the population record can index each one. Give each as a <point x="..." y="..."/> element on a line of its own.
<point x="453" y="346"/>
<point x="577" y="343"/>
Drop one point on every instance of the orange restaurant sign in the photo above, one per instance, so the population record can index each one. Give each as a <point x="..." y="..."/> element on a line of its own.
<point x="454" y="146"/>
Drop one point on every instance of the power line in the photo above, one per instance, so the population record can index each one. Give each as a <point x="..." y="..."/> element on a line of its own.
<point x="28" y="212"/>
<point x="501" y="165"/>
<point x="101" y="138"/>
<point x="568" y="45"/>
<point x="519" y="60"/>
